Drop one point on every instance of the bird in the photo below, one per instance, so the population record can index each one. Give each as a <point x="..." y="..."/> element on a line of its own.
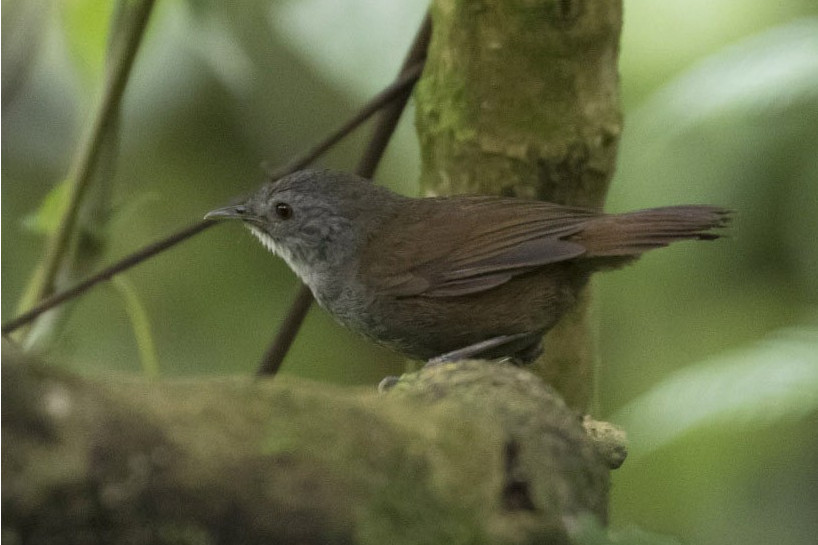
<point x="456" y="277"/>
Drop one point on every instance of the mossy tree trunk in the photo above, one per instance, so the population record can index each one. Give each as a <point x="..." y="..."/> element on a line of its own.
<point x="520" y="98"/>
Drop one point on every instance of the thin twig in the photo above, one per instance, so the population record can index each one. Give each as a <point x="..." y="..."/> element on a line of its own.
<point x="277" y="350"/>
<point x="387" y="121"/>
<point x="86" y="159"/>
<point x="400" y="85"/>
<point x="126" y="263"/>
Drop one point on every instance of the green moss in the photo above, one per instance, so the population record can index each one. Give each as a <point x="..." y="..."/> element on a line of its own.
<point x="236" y="460"/>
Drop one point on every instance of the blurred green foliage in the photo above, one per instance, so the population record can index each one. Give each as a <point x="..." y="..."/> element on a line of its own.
<point x="708" y="351"/>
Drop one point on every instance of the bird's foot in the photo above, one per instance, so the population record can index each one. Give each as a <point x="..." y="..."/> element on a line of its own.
<point x="387" y="383"/>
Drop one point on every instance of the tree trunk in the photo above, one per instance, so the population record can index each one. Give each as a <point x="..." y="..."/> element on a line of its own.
<point x="520" y="98"/>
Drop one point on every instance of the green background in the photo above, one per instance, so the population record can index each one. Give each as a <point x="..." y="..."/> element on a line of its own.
<point x="708" y="352"/>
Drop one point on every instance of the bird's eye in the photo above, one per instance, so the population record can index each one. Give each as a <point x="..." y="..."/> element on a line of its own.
<point x="283" y="210"/>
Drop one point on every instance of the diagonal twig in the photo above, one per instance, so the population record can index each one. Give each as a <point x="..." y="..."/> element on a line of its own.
<point x="389" y="93"/>
<point x="106" y="274"/>
<point x="401" y="85"/>
<point x="387" y="121"/>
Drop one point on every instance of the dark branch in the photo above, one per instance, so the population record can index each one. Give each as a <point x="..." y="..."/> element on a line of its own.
<point x="387" y="121"/>
<point x="271" y="361"/>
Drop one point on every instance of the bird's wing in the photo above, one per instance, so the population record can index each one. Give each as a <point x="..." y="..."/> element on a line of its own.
<point x="444" y="248"/>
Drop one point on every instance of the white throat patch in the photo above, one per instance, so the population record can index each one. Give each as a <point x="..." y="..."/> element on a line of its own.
<point x="304" y="273"/>
<point x="265" y="239"/>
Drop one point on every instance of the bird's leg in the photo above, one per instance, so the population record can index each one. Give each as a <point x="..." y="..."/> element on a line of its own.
<point x="528" y="347"/>
<point x="529" y="353"/>
<point x="478" y="349"/>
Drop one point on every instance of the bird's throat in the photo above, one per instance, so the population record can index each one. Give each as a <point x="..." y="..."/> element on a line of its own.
<point x="299" y="266"/>
<point x="265" y="239"/>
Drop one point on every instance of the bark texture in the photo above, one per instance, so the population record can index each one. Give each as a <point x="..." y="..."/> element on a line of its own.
<point x="465" y="453"/>
<point x="520" y="98"/>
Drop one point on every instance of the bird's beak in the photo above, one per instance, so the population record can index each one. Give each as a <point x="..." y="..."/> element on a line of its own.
<point x="233" y="212"/>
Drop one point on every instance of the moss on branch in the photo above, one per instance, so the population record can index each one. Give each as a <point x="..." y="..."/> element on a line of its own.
<point x="460" y="453"/>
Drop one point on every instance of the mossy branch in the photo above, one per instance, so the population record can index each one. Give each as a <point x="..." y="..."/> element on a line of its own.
<point x="460" y="453"/>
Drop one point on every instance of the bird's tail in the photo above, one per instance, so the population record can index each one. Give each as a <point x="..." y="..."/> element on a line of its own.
<point x="629" y="235"/>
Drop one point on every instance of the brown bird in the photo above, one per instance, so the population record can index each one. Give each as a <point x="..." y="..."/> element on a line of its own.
<point x="450" y="277"/>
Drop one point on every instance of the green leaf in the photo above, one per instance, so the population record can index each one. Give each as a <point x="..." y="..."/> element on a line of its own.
<point x="86" y="25"/>
<point x="586" y="530"/>
<point x="762" y="76"/>
<point x="133" y="208"/>
<point x="140" y="324"/>
<point x="45" y="219"/>
<point x="777" y="378"/>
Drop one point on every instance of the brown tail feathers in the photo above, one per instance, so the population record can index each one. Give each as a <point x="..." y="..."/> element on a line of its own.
<point x="629" y="235"/>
